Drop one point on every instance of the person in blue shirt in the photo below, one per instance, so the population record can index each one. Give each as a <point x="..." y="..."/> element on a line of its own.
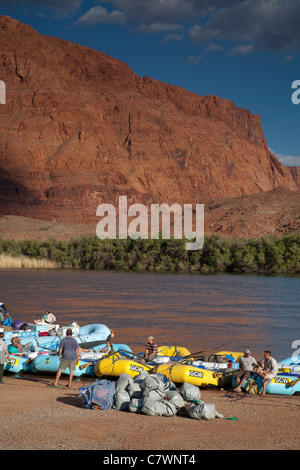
<point x="68" y="356"/>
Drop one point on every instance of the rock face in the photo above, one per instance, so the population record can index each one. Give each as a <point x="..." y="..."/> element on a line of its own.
<point x="295" y="172"/>
<point x="80" y="128"/>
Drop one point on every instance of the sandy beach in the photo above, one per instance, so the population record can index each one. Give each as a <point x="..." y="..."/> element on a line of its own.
<point x="36" y="416"/>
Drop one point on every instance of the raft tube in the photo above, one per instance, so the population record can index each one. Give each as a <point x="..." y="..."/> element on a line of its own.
<point x="17" y="363"/>
<point x="232" y="356"/>
<point x="50" y="364"/>
<point x="295" y="360"/>
<point x="203" y="378"/>
<point x="173" y="351"/>
<point x="118" y="363"/>
<point x="216" y="365"/>
<point x="282" y="384"/>
<point x="167" y="354"/>
<point x="99" y="334"/>
<point x="85" y="366"/>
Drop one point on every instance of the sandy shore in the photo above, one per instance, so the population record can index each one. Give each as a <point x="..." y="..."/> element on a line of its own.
<point x="36" y="416"/>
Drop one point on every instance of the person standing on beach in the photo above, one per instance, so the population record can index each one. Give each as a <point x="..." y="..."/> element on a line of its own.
<point x="68" y="356"/>
<point x="3" y="352"/>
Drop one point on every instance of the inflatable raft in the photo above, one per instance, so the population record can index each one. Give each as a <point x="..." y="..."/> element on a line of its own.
<point x="170" y="362"/>
<point x="50" y="364"/>
<point x="117" y="363"/>
<point x="85" y="366"/>
<point x="91" y="332"/>
<point x="230" y="355"/>
<point x="176" y="352"/>
<point x="196" y="375"/>
<point x="202" y="373"/>
<point x="17" y="363"/>
<point x="282" y="384"/>
<point x="216" y="365"/>
<point x="131" y="364"/>
<point x="87" y="334"/>
<point x="291" y="365"/>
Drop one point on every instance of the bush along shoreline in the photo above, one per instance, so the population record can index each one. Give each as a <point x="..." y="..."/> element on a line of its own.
<point x="266" y="255"/>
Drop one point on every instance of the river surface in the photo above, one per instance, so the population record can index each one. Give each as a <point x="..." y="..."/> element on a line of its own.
<point x="200" y="312"/>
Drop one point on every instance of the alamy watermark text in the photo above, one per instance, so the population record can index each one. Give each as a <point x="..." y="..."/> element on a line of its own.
<point x="136" y="222"/>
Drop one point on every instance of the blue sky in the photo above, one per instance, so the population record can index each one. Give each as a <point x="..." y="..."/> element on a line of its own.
<point x="244" y="50"/>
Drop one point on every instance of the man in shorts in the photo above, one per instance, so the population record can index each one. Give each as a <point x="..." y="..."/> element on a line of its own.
<point x="68" y="356"/>
<point x="247" y="364"/>
<point x="269" y="371"/>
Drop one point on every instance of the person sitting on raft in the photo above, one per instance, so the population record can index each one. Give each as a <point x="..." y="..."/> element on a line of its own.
<point x="48" y="317"/>
<point x="108" y="348"/>
<point x="269" y="371"/>
<point x="17" y="348"/>
<point x="247" y="365"/>
<point x="151" y="349"/>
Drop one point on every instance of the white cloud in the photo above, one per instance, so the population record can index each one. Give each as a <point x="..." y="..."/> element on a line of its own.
<point x="58" y="8"/>
<point x="99" y="14"/>
<point x="253" y="26"/>
<point x="289" y="58"/>
<point x="159" y="27"/>
<point x="213" y="47"/>
<point x="246" y="26"/>
<point x="287" y="160"/>
<point x="246" y="49"/>
<point x="195" y="60"/>
<point x="172" y="38"/>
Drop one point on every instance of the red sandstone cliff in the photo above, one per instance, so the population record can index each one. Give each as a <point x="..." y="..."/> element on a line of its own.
<point x="80" y="128"/>
<point x="295" y="172"/>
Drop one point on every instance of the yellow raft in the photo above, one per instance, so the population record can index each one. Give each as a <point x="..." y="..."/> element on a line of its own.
<point x="236" y="355"/>
<point x="180" y="373"/>
<point x="115" y="364"/>
<point x="173" y="351"/>
<point x="203" y="378"/>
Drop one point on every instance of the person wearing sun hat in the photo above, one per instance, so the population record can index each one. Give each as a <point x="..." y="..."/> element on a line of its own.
<point x="247" y="364"/>
<point x="151" y="348"/>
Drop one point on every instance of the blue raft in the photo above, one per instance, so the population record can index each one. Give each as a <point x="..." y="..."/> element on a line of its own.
<point x="17" y="364"/>
<point x="85" y="366"/>
<point x="282" y="384"/>
<point x="87" y="333"/>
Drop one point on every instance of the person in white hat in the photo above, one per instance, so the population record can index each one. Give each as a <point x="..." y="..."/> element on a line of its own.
<point x="16" y="343"/>
<point x="247" y="365"/>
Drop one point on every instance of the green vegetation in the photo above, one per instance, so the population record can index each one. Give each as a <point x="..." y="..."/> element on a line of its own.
<point x="268" y="255"/>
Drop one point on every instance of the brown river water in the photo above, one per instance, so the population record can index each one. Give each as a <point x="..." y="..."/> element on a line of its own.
<point x="200" y="312"/>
